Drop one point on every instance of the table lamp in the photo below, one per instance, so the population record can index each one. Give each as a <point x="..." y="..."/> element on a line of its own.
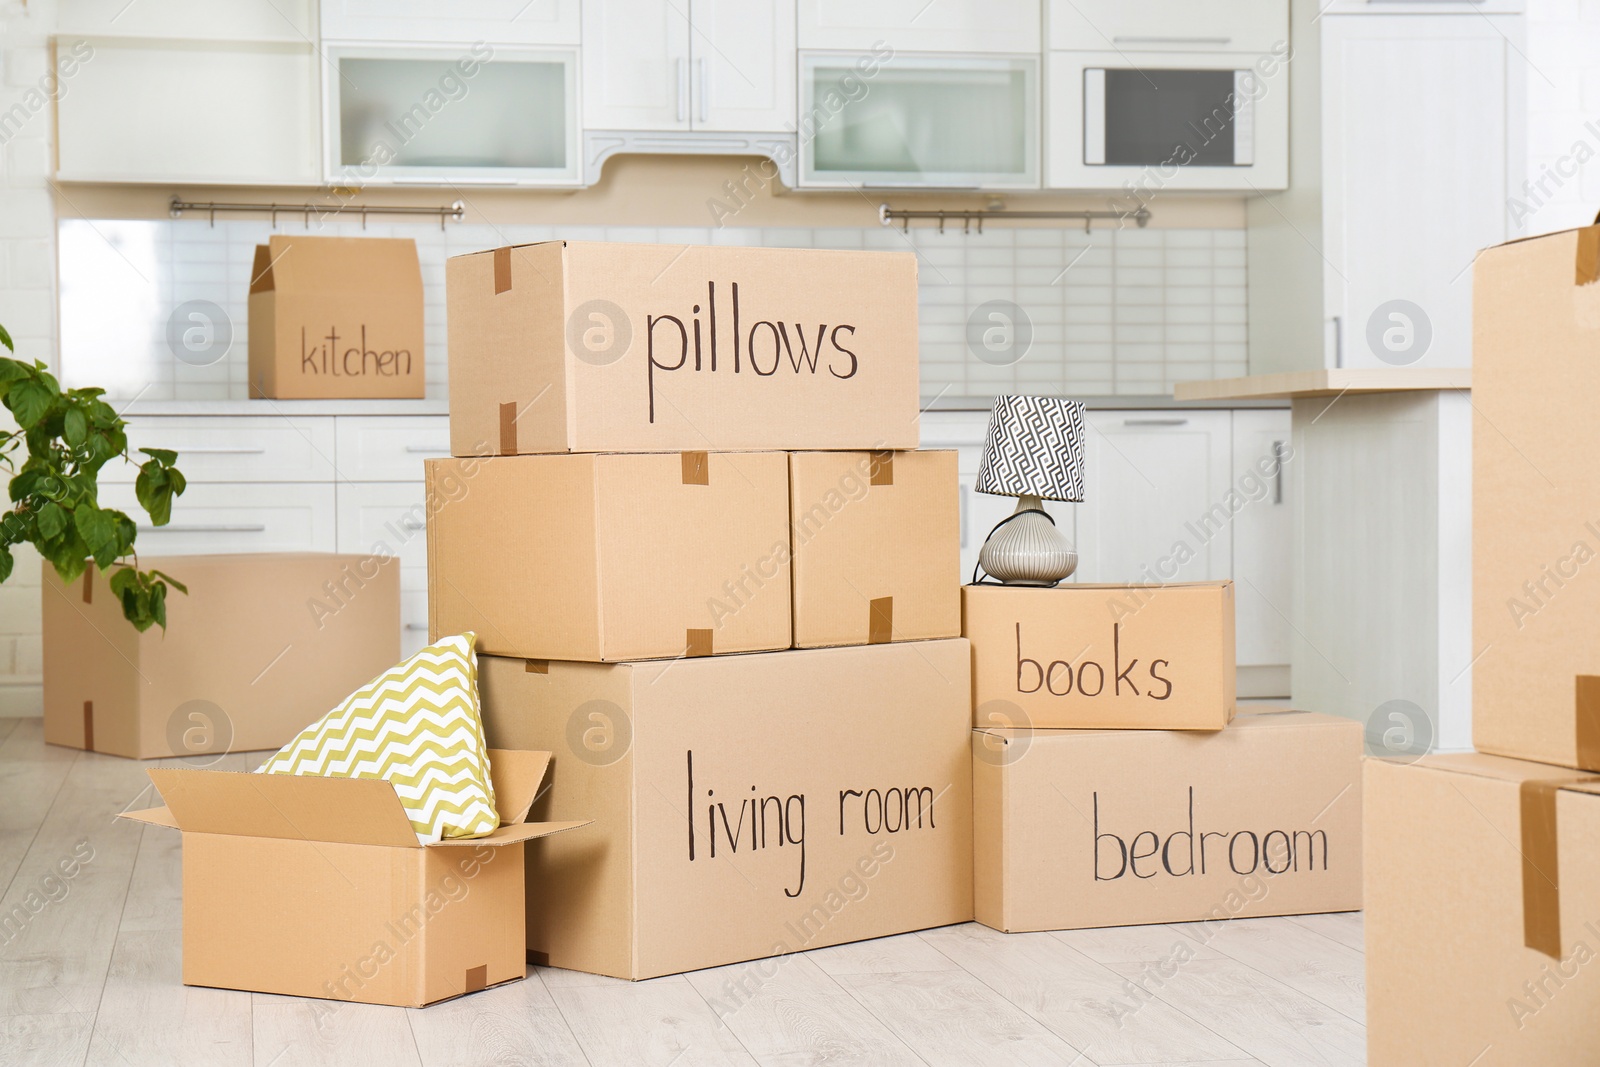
<point x="1033" y="451"/>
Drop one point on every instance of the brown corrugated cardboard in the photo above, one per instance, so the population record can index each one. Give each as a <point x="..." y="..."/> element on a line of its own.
<point x="1536" y="500"/>
<point x="1116" y="657"/>
<point x="876" y="538"/>
<point x="574" y="347"/>
<point x="318" y="887"/>
<point x="336" y="317"/>
<point x="260" y="646"/>
<point x="1083" y="828"/>
<point x="1482" y="913"/>
<point x="611" y="557"/>
<point x="744" y="806"/>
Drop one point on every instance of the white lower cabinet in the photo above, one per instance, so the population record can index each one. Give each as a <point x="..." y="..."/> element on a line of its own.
<point x="390" y="519"/>
<point x="1169" y="496"/>
<point x="217" y="517"/>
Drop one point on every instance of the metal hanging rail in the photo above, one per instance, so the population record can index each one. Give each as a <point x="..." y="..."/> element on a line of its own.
<point x="889" y="215"/>
<point x="454" y="212"/>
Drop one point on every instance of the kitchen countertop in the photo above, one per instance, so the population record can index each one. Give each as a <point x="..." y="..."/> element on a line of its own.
<point x="1325" y="382"/>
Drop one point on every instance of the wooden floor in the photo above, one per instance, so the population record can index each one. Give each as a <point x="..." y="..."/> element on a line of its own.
<point x="93" y="978"/>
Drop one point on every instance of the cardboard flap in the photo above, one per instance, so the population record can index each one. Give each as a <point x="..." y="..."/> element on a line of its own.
<point x="161" y="816"/>
<point x="359" y="811"/>
<point x="261" y="270"/>
<point x="511" y="835"/>
<point x="516" y="775"/>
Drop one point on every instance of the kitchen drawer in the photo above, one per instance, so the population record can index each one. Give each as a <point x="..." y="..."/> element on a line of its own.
<point x="389" y="448"/>
<point x="1168" y="25"/>
<point x="215" y="518"/>
<point x="250" y="449"/>
<point x="385" y="518"/>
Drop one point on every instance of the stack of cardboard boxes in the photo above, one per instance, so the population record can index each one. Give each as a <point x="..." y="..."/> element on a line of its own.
<point x="1483" y="871"/>
<point x="1113" y="784"/>
<point x="708" y="572"/>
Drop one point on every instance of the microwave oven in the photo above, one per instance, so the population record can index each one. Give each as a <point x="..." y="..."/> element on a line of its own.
<point x="1168" y="120"/>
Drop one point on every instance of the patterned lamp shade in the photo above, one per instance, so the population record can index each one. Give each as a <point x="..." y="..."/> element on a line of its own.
<point x="1034" y="448"/>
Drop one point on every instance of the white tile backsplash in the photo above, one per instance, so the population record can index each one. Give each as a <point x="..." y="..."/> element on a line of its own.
<point x="1111" y="311"/>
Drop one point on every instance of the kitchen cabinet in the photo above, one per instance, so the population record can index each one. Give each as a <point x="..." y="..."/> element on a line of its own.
<point x="451" y="115"/>
<point x="919" y="121"/>
<point x="966" y="26"/>
<point x="213" y="517"/>
<point x="494" y="22"/>
<point x="1167" y="25"/>
<point x="704" y="66"/>
<point x="389" y="519"/>
<point x="1155" y="497"/>
<point x="1402" y="96"/>
<point x="1422" y="7"/>
<point x="1263" y="538"/>
<point x="134" y="112"/>
<point x="203" y="20"/>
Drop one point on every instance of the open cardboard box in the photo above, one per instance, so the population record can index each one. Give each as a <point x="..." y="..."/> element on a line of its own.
<point x="318" y="887"/>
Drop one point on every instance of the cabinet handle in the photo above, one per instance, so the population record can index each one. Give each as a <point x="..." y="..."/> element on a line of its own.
<point x="416" y="626"/>
<point x="1338" y="341"/>
<point x="413" y="526"/>
<point x="206" y="527"/>
<point x="1277" y="472"/>
<point x="222" y="451"/>
<point x="1172" y="40"/>
<point x="705" y="90"/>
<point x="1155" y="422"/>
<point x="429" y="450"/>
<point x="683" y="90"/>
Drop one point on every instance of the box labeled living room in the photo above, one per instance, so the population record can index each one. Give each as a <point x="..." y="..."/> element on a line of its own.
<point x="612" y="532"/>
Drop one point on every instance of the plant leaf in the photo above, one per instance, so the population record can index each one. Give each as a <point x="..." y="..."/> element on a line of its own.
<point x="30" y="401"/>
<point x="5" y="339"/>
<point x="165" y="456"/>
<point x="51" y="520"/>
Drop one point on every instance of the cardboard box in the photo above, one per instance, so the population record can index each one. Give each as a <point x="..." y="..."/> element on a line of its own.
<point x="1536" y="499"/>
<point x="1482" y="913"/>
<point x="318" y="887"/>
<point x="1115" y="657"/>
<point x="336" y="317"/>
<point x="1082" y="828"/>
<point x="877" y="547"/>
<point x="744" y="806"/>
<point x="262" y="645"/>
<point x="611" y="557"/>
<point x="573" y="347"/>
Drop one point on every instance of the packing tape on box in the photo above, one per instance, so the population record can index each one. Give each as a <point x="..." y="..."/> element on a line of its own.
<point x="477" y="977"/>
<point x="536" y="666"/>
<point x="88" y="726"/>
<point x="696" y="468"/>
<point x="1586" y="715"/>
<point x="881" y="467"/>
<point x="1541" y="868"/>
<point x="88" y="586"/>
<point x="502" y="270"/>
<point x="1587" y="269"/>
<point x="697" y="642"/>
<point x="508" y="429"/>
<point x="880" y="620"/>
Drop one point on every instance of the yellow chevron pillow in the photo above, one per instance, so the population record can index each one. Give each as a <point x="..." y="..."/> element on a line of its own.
<point x="417" y="726"/>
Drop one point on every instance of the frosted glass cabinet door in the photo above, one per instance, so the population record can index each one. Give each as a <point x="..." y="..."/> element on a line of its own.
<point x="464" y="114"/>
<point x="919" y="122"/>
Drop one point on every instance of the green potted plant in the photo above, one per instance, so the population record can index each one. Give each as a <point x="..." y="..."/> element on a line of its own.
<point x="68" y="435"/>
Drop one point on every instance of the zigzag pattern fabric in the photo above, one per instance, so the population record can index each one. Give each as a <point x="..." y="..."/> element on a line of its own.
<point x="1034" y="446"/>
<point x="416" y="726"/>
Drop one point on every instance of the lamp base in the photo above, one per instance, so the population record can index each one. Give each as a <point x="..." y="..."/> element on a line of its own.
<point x="1028" y="549"/>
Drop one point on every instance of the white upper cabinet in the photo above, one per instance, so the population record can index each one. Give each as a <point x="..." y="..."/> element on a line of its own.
<point x="1168" y="25"/>
<point x="456" y="114"/>
<point x="902" y="120"/>
<point x="1422" y="7"/>
<point x="235" y="20"/>
<point x="1403" y="96"/>
<point x="964" y="26"/>
<point x="511" y="22"/>
<point x="701" y="65"/>
<point x="134" y="112"/>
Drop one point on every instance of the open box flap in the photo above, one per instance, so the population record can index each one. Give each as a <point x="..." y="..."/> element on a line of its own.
<point x="360" y="811"/>
<point x="516" y="775"/>
<point x="510" y="835"/>
<point x="161" y="816"/>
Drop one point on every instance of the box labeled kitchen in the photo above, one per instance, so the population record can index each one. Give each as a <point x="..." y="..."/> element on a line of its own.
<point x="318" y="887"/>
<point x="261" y="645"/>
<point x="336" y="318"/>
<point x="1482" y="912"/>
<point x="744" y="806"/>
<point x="876" y="538"/>
<point x="611" y="556"/>
<point x="1536" y="499"/>
<point x="1152" y="657"/>
<point x="1086" y="828"/>
<point x="601" y="347"/>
